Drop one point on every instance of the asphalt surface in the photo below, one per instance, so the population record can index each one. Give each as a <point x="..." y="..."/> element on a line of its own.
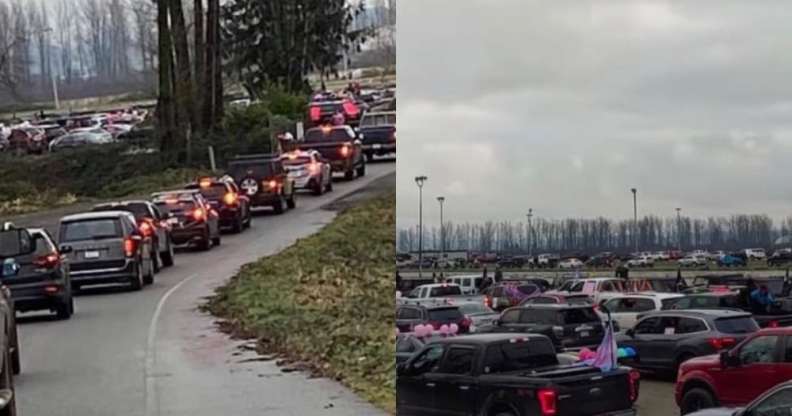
<point x="154" y="353"/>
<point x="656" y="397"/>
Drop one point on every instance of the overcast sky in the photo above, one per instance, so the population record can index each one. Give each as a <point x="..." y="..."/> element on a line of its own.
<point x="565" y="106"/>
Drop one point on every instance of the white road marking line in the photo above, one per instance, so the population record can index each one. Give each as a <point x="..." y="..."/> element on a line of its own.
<point x="149" y="382"/>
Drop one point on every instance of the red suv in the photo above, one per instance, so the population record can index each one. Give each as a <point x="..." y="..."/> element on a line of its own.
<point x="737" y="376"/>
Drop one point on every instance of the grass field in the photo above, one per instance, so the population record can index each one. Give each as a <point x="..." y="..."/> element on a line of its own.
<point x="326" y="301"/>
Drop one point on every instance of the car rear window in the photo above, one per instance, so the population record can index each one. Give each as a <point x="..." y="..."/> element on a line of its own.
<point x="138" y="210"/>
<point x="173" y="204"/>
<point x="578" y="300"/>
<point x="445" y="314"/>
<point x="519" y="356"/>
<point x="579" y="316"/>
<point x="90" y="230"/>
<point x="214" y="191"/>
<point x="302" y="160"/>
<point x="528" y="289"/>
<point x="444" y="291"/>
<point x="256" y="169"/>
<point x="331" y="135"/>
<point x="472" y="308"/>
<point x="737" y="325"/>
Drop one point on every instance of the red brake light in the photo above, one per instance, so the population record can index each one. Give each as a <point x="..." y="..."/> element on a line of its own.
<point x="50" y="261"/>
<point x="313" y="167"/>
<point x="345" y="150"/>
<point x="350" y="108"/>
<point x="199" y="214"/>
<point x="488" y="301"/>
<point x="722" y="343"/>
<point x="146" y="228"/>
<point x="773" y="324"/>
<point x="273" y="184"/>
<point x="466" y="322"/>
<point x="547" y="401"/>
<point x="316" y="113"/>
<point x="130" y="247"/>
<point x="230" y="198"/>
<point x="635" y="376"/>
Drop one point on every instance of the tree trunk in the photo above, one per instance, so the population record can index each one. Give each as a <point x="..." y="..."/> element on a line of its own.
<point x="212" y="66"/>
<point x="186" y="114"/>
<point x="199" y="56"/>
<point x="165" y="104"/>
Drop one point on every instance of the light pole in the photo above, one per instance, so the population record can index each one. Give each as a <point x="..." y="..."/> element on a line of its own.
<point x="441" y="199"/>
<point x="529" y="234"/>
<point x="635" y="219"/>
<point x="419" y="180"/>
<point x="679" y="230"/>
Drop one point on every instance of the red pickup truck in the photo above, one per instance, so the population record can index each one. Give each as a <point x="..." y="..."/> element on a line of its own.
<point x="737" y="376"/>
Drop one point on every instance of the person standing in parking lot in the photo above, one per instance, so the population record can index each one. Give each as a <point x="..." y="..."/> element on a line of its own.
<point x="762" y="300"/>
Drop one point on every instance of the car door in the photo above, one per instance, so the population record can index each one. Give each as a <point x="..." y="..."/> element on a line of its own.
<point x="644" y="330"/>
<point x="407" y="317"/>
<point x="510" y="321"/>
<point x="758" y="360"/>
<point x="455" y="386"/>
<point x="415" y="393"/>
<point x="784" y="369"/>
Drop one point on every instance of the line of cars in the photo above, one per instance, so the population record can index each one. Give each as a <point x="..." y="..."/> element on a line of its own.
<point x="708" y="335"/>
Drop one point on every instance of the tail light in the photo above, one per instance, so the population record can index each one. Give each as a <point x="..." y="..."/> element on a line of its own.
<point x="230" y="198"/>
<point x="199" y="214"/>
<point x="51" y="289"/>
<point x="722" y="343"/>
<point x="146" y="228"/>
<point x="130" y="247"/>
<point x="435" y="324"/>
<point x="635" y="376"/>
<point x="350" y="109"/>
<point x="488" y="301"/>
<point x="773" y="324"/>
<point x="466" y="322"/>
<point x="313" y="167"/>
<point x="50" y="261"/>
<point x="316" y="113"/>
<point x="272" y="185"/>
<point x="345" y="150"/>
<point x="548" y="399"/>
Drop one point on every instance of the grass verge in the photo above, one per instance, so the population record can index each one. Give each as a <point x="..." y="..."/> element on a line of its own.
<point x="326" y="301"/>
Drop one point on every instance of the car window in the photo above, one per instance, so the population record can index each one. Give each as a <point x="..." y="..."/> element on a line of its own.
<point x="519" y="356"/>
<point x="690" y="325"/>
<point x="458" y="361"/>
<point x="405" y="345"/>
<point x="439" y="291"/>
<point x="427" y="360"/>
<point x="511" y="316"/>
<point x="670" y="303"/>
<point x="90" y="230"/>
<point x="736" y="325"/>
<point x="759" y="350"/>
<point x="649" y="326"/>
<point x="445" y="314"/>
<point x="579" y="316"/>
<point x="704" y="302"/>
<point x="776" y="404"/>
<point x="424" y="292"/>
<point x="788" y="350"/>
<point x="541" y="300"/>
<point x="43" y="246"/>
<point x="539" y="316"/>
<point x="668" y="325"/>
<point x="409" y="313"/>
<point x="528" y="289"/>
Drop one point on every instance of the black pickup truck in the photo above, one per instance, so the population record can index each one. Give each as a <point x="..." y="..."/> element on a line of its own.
<point x="508" y="375"/>
<point x="378" y="133"/>
<point x="567" y="326"/>
<point x="340" y="146"/>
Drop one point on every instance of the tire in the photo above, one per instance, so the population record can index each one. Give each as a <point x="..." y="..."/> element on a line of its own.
<point x="361" y="170"/>
<point x="292" y="201"/>
<point x="136" y="283"/>
<point x="318" y="188"/>
<point x="279" y="206"/>
<point x="65" y="309"/>
<point x="369" y="157"/>
<point x="149" y="277"/>
<point x="205" y="243"/>
<point x="16" y="362"/>
<point x="696" y="399"/>
<point x="8" y="383"/>
<point x="238" y="225"/>
<point x="330" y="184"/>
<point x="349" y="175"/>
<point x="216" y="241"/>
<point x="156" y="261"/>
<point x="167" y="257"/>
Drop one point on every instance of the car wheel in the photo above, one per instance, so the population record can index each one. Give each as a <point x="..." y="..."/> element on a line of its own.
<point x="8" y="384"/>
<point x="16" y="362"/>
<point x="64" y="309"/>
<point x="167" y="257"/>
<point x="292" y="201"/>
<point x="216" y="241"/>
<point x="280" y="205"/>
<point x="205" y="243"/>
<point x="330" y="184"/>
<point x="136" y="282"/>
<point x="156" y="261"/>
<point x="349" y="175"/>
<point x="149" y="277"/>
<point x="318" y="187"/>
<point x="361" y="170"/>
<point x="236" y="228"/>
<point x="696" y="399"/>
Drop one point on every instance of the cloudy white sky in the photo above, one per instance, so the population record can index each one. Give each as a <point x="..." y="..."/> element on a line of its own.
<point x="564" y="106"/>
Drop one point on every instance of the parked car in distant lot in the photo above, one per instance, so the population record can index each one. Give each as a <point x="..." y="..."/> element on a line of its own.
<point x="43" y="280"/>
<point x="664" y="340"/>
<point x="191" y="218"/>
<point x="733" y="260"/>
<point x="480" y="315"/>
<point x="626" y="308"/>
<point x="469" y="284"/>
<point x="641" y="261"/>
<point x="780" y="257"/>
<point x="507" y="294"/>
<point x="755" y="253"/>
<point x="739" y="375"/>
<point x="774" y="317"/>
<point x="106" y="247"/>
<point x="693" y="261"/>
<point x="550" y="298"/>
<point x="570" y="264"/>
<point x="80" y="139"/>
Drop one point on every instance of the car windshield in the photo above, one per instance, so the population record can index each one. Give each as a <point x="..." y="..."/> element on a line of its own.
<point x="327" y="135"/>
<point x="90" y="230"/>
<point x="445" y="314"/>
<point x="301" y="160"/>
<point x="438" y="291"/>
<point x="736" y="325"/>
<point x="474" y="308"/>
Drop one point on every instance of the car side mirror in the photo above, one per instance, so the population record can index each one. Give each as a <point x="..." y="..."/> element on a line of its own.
<point x="66" y="249"/>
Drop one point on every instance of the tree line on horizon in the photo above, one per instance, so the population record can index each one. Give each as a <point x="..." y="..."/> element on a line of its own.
<point x="590" y="236"/>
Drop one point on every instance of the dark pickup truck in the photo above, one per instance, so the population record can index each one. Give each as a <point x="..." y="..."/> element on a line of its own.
<point x="568" y="326"/>
<point x="340" y="146"/>
<point x="378" y="133"/>
<point x="508" y="375"/>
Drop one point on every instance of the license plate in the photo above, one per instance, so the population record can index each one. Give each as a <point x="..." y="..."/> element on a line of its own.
<point x="377" y="146"/>
<point x="584" y="334"/>
<point x="91" y="254"/>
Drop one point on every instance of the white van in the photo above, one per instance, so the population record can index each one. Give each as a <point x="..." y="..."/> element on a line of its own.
<point x="468" y="283"/>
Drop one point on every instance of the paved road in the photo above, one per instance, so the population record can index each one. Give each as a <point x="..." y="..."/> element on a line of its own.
<point x="656" y="398"/>
<point x="152" y="353"/>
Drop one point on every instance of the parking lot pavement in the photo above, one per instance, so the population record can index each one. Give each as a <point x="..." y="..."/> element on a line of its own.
<point x="656" y="398"/>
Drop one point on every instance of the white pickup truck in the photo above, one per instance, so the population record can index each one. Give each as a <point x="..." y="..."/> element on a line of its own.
<point x="437" y="293"/>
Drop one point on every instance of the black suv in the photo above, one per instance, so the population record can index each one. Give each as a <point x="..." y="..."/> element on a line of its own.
<point x="264" y="180"/>
<point x="780" y="257"/>
<point x="408" y="316"/>
<point x="190" y="216"/>
<point x="568" y="326"/>
<point x="224" y="196"/>
<point x="43" y="280"/>
<point x="152" y="223"/>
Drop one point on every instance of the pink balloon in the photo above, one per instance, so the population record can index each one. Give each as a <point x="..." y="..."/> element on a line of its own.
<point x="418" y="330"/>
<point x="453" y="329"/>
<point x="397" y="331"/>
<point x="444" y="329"/>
